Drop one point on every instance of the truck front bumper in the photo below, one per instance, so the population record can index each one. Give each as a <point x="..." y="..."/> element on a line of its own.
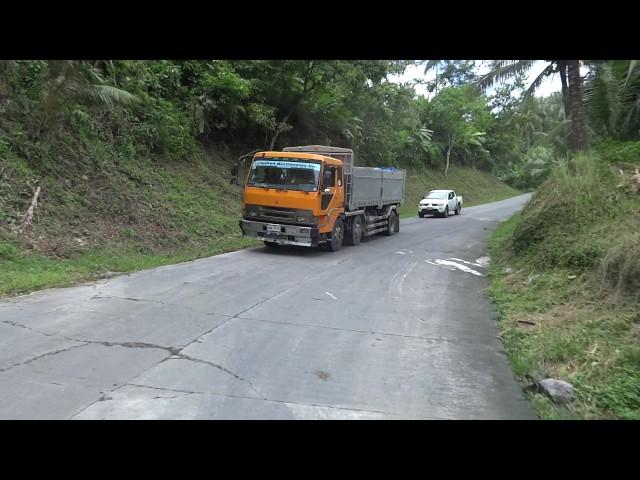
<point x="430" y="209"/>
<point x="287" y="234"/>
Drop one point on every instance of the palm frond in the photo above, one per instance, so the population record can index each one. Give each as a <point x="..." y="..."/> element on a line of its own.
<point x="538" y="80"/>
<point x="632" y="67"/>
<point x="502" y="70"/>
<point x="430" y="65"/>
<point x="111" y="95"/>
<point x="604" y="96"/>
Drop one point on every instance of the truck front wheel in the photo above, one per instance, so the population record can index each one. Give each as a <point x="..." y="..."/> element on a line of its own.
<point x="354" y="236"/>
<point x="273" y="245"/>
<point x="337" y="236"/>
<point x="391" y="224"/>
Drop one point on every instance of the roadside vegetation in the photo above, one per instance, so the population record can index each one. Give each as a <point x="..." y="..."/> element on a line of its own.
<point x="565" y="274"/>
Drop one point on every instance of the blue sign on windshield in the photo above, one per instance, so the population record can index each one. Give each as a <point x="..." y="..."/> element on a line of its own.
<point x="287" y="165"/>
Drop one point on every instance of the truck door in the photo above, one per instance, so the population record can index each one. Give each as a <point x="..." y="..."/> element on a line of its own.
<point x="452" y="201"/>
<point x="328" y="188"/>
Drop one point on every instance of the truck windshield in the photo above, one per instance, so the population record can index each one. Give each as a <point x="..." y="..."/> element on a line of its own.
<point x="285" y="173"/>
<point x="437" y="195"/>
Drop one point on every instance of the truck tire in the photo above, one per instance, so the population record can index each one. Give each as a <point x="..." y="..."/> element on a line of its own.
<point x="354" y="236"/>
<point x="458" y="209"/>
<point x="337" y="236"/>
<point x="446" y="212"/>
<point x="421" y="215"/>
<point x="272" y="245"/>
<point x="391" y="224"/>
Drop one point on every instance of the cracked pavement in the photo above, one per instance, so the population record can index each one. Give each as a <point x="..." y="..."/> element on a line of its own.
<point x="369" y="332"/>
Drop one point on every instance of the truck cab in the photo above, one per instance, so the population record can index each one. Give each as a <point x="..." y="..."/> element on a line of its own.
<point x="292" y="197"/>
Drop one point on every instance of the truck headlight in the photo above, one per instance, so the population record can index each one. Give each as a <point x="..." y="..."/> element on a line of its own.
<point x="305" y="216"/>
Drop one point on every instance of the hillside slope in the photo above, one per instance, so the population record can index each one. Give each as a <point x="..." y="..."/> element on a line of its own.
<point x="566" y="282"/>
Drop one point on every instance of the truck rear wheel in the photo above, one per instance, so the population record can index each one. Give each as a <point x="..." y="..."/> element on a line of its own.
<point x="391" y="224"/>
<point x="337" y="236"/>
<point x="458" y="209"/>
<point x="273" y="245"/>
<point x="354" y="236"/>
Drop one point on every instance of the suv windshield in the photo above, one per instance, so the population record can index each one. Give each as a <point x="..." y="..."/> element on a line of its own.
<point x="285" y="173"/>
<point x="437" y="195"/>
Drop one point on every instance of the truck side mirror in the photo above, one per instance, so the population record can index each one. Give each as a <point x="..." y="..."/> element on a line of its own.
<point x="234" y="175"/>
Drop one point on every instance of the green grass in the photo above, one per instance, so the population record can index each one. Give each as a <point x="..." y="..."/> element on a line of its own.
<point x="475" y="186"/>
<point x="26" y="271"/>
<point x="120" y="217"/>
<point x="568" y="308"/>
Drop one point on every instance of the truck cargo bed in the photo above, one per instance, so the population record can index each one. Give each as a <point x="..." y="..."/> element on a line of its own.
<point x="374" y="187"/>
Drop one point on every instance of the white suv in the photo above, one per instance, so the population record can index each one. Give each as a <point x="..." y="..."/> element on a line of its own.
<point x="441" y="203"/>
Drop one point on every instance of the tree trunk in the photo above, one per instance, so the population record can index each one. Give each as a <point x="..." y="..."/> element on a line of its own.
<point x="305" y="90"/>
<point x="577" y="131"/>
<point x="26" y="220"/>
<point x="446" y="169"/>
<point x="562" y="69"/>
<point x="281" y="127"/>
<point x="273" y="140"/>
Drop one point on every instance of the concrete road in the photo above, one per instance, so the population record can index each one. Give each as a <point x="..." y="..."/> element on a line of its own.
<point x="396" y="328"/>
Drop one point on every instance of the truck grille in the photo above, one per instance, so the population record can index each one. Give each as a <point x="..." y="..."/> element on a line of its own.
<point x="278" y="214"/>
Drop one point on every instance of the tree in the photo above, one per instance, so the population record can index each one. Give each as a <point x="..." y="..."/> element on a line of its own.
<point x="612" y="99"/>
<point x="569" y="71"/>
<point x="450" y="73"/>
<point x="459" y="119"/>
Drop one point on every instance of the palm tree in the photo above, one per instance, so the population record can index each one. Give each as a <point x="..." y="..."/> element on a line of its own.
<point x="75" y="81"/>
<point x="569" y="71"/>
<point x="612" y="99"/>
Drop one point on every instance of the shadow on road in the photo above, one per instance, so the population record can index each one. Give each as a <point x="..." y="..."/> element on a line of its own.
<point x="291" y="251"/>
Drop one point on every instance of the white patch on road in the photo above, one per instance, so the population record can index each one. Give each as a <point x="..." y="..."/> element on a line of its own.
<point x="331" y="295"/>
<point x="464" y="261"/>
<point x="455" y="266"/>
<point x="401" y="253"/>
<point x="483" y="261"/>
<point x="459" y="266"/>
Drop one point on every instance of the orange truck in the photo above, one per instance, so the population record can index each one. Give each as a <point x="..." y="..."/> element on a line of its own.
<point x="313" y="195"/>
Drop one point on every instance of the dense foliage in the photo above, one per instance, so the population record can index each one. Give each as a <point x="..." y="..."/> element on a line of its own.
<point x="165" y="109"/>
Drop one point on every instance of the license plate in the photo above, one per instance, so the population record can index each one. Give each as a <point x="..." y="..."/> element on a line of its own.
<point x="273" y="229"/>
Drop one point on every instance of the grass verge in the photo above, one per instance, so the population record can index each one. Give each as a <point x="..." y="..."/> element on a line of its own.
<point x="565" y="290"/>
